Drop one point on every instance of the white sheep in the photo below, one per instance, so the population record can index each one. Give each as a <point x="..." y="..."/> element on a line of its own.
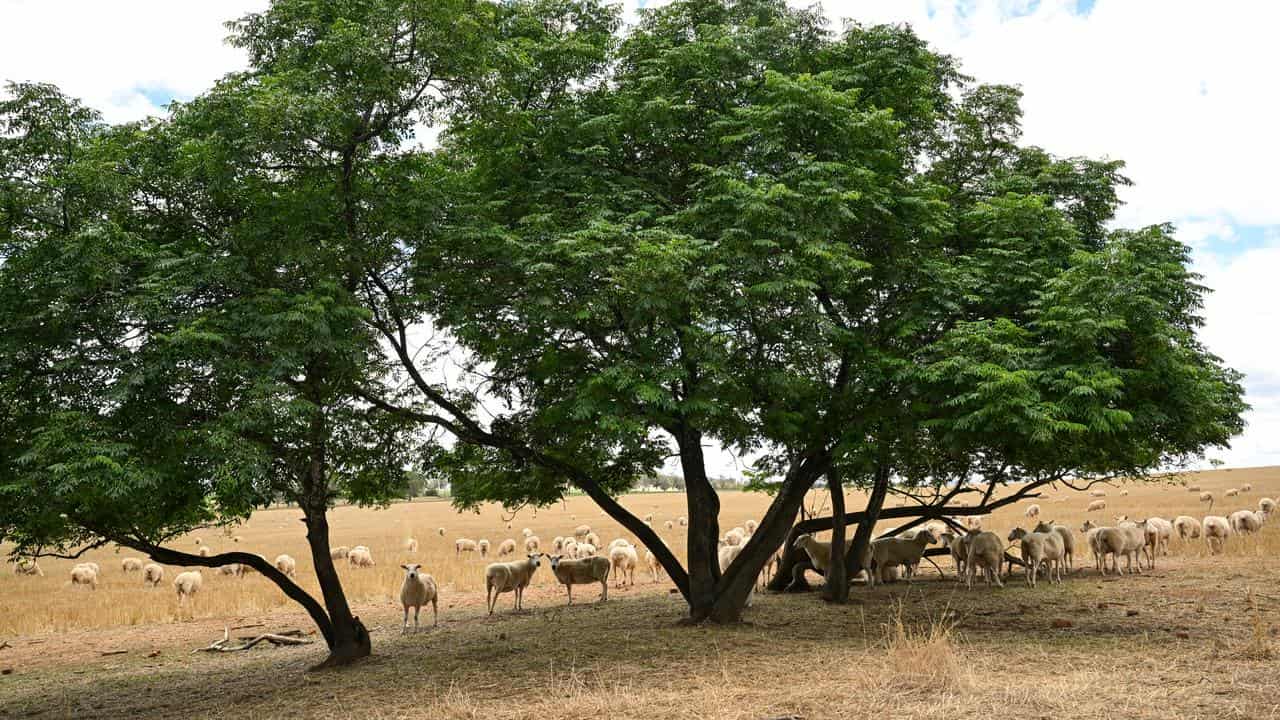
<point x="735" y="536"/>
<point x="507" y="577"/>
<point x="1068" y="541"/>
<point x="623" y="560"/>
<point x="1231" y="492"/>
<point x="1216" y="531"/>
<point x="1097" y="493"/>
<point x="1207" y="497"/>
<point x="569" y="548"/>
<point x="1247" y="487"/>
<point x="360" y="557"/>
<point x="417" y="590"/>
<point x="204" y="551"/>
<point x="557" y="544"/>
<point x="1091" y="530"/>
<point x="684" y="521"/>
<point x="655" y="567"/>
<point x="130" y="564"/>
<point x="1033" y="511"/>
<point x="187" y="584"/>
<point x="506" y="547"/>
<point x="1039" y="548"/>
<point x="1135" y="534"/>
<point x="532" y="543"/>
<point x="1245" y="522"/>
<point x="959" y="547"/>
<point x="1106" y="541"/>
<point x="84" y="575"/>
<point x="592" y="539"/>
<point x="585" y="550"/>
<point x="581" y="531"/>
<point x="669" y="525"/>
<point x="152" y="574"/>
<point x="526" y="532"/>
<point x="483" y="546"/>
<point x="986" y="551"/>
<point x="411" y="545"/>
<point x="1267" y="505"/>
<point x="1164" y="533"/>
<point x="232" y="569"/>
<point x="617" y="542"/>
<point x="462" y="545"/>
<point x="1187" y="527"/>
<point x="819" y="552"/>
<point x="582" y="572"/>
<point x="750" y="526"/>
<point x="340" y="552"/>
<point x="893" y="551"/>
<point x="286" y="565"/>
<point x="1096" y="505"/>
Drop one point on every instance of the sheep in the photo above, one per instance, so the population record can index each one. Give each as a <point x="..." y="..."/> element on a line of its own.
<point x="1039" y="548"/>
<point x="684" y="521"/>
<point x="750" y="526"/>
<point x="1096" y="505"/>
<point x="581" y="531"/>
<point x="726" y="555"/>
<point x="130" y="564"/>
<point x="892" y="551"/>
<point x="819" y="552"/>
<point x="1267" y="505"/>
<point x="232" y="569"/>
<point x="411" y="545"/>
<point x="1106" y="541"/>
<point x="1193" y="488"/>
<point x="569" y="548"/>
<point x="592" y="539"/>
<point x="507" y="577"/>
<point x="440" y="532"/>
<point x="1247" y="487"/>
<point x="84" y="575"/>
<point x="1231" y="492"/>
<point x="1245" y="522"/>
<point x="1090" y="530"/>
<point x="204" y="551"/>
<point x="1135" y="534"/>
<point x="557" y="544"/>
<point x="417" y="590"/>
<point x="1187" y="527"/>
<point x="1068" y="541"/>
<point x="1033" y="511"/>
<point x="581" y="572"/>
<point x="1124" y="493"/>
<point x="648" y="519"/>
<point x="655" y="567"/>
<point x="532" y="543"/>
<point x="152" y="574"/>
<point x="617" y="543"/>
<point x="669" y="525"/>
<point x="585" y="550"/>
<point x="340" y="552"/>
<point x="483" y="546"/>
<point x="623" y="560"/>
<point x="462" y="545"/>
<point x="973" y="523"/>
<point x="1207" y="497"/>
<point x="506" y="547"/>
<point x="959" y="547"/>
<point x="986" y="551"/>
<point x="236" y="539"/>
<point x="735" y="536"/>
<point x="286" y="565"/>
<point x="1164" y="533"/>
<point x="360" y="557"/>
<point x="1216" y="530"/>
<point x="187" y="584"/>
<point x="27" y="566"/>
<point x="1097" y="493"/>
<point x="526" y="532"/>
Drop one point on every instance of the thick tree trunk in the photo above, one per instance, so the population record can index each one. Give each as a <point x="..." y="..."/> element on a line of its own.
<point x="350" y="640"/>
<point x="867" y="527"/>
<point x="837" y="586"/>
<point x="704" y="525"/>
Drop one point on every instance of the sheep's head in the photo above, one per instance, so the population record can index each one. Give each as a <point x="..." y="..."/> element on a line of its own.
<point x="535" y="559"/>
<point x="1043" y="526"/>
<point x="1087" y="526"/>
<point x="946" y="538"/>
<point x="1016" y="534"/>
<point x="411" y="570"/>
<point x="801" y="542"/>
<point x="929" y="537"/>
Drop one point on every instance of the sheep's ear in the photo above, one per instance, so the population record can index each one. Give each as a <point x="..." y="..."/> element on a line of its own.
<point x="404" y="567"/>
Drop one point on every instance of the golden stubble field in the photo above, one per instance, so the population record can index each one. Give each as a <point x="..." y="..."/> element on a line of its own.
<point x="50" y="604"/>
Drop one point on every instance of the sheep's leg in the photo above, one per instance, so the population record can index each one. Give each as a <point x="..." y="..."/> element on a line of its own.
<point x="488" y="597"/>
<point x="416" y="609"/>
<point x="604" y="590"/>
<point x="569" y="587"/>
<point x="404" y="625"/>
<point x="435" y="612"/>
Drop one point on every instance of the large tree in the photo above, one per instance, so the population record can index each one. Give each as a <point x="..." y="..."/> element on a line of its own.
<point x="827" y="250"/>
<point x="184" y="338"/>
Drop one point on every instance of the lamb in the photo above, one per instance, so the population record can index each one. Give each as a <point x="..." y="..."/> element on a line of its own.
<point x="623" y="560"/>
<point x="360" y="557"/>
<point x="340" y="552"/>
<point x="1096" y="505"/>
<point x="130" y="564"/>
<point x="1245" y="522"/>
<point x="27" y="566"/>
<point x="286" y="565"/>
<point x="1068" y="541"/>
<point x="655" y="567"/>
<point x="581" y="572"/>
<point x="750" y="526"/>
<point x="152" y="574"/>
<point x="506" y="547"/>
<point x="483" y="546"/>
<point x="986" y="551"/>
<point x="417" y="590"/>
<point x="84" y="575"/>
<point x="187" y="584"/>
<point x="891" y="551"/>
<point x="532" y="543"/>
<point x="507" y="577"/>
<point x="581" y="531"/>
<point x="1231" y="492"/>
<point x="411" y="545"/>
<point x="1037" y="549"/>
<point x="1187" y="527"/>
<point x="462" y="545"/>
<point x="1267" y="505"/>
<point x="1216" y="531"/>
<point x="1033" y="511"/>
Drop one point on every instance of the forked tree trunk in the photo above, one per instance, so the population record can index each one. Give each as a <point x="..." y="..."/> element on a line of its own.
<point x="704" y="526"/>
<point x="867" y="528"/>
<point x="837" y="585"/>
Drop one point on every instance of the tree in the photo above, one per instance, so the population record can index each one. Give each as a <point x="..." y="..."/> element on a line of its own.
<point x="184" y="338"/>
<point x="734" y="226"/>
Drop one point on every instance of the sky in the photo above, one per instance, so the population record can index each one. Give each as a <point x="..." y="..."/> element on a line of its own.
<point x="1184" y="92"/>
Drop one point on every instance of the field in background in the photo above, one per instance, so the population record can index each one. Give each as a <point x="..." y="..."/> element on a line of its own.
<point x="51" y="605"/>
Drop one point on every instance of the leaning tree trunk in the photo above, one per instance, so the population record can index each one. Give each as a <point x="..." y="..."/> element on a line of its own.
<point x="867" y="528"/>
<point x="837" y="585"/>
<point x="704" y="526"/>
<point x="349" y="640"/>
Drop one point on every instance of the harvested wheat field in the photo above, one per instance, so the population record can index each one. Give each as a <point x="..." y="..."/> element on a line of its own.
<point x="1196" y="637"/>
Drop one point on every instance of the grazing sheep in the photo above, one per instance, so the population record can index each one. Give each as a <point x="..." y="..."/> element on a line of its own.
<point x="1267" y="505"/>
<point x="1164" y="533"/>
<point x="526" y="532"/>
<point x="592" y="539"/>
<point x="417" y="590"/>
<point x="411" y="545"/>
<point x="1096" y="505"/>
<point x="581" y="531"/>
<point x="1068" y="541"/>
<point x="893" y="551"/>
<point x="1135" y="534"/>
<point x="623" y="560"/>
<point x="340" y="552"/>
<point x="557" y="544"/>
<point x="506" y="547"/>
<point x="84" y="575"/>
<point x="187" y="584"/>
<point x="360" y="557"/>
<point x="1097" y="493"/>
<point x="152" y="574"/>
<point x="483" y="546"/>
<point x="1207" y="497"/>
<point x="669" y="525"/>
<point x="585" y="550"/>
<point x="1193" y="488"/>
<point x="1216" y="530"/>
<point x="1106" y="541"/>
<point x="1247" y="487"/>
<point x="1090" y="530"/>
<point x="1231" y="492"/>
<point x="27" y="566"/>
<point x="1187" y="527"/>
<point x="618" y="542"/>
<point x="750" y="526"/>
<point x="462" y="545"/>
<point x="131" y="565"/>
<point x="1033" y="511"/>
<point x="204" y="551"/>
<point x="655" y="567"/>
<point x="507" y="577"/>
<point x="582" y="572"/>
<point x="986" y="551"/>
<point x="1245" y="522"/>
<point x="532" y="543"/>
<point x="286" y="565"/>
<point x="232" y="569"/>
<point x="684" y="521"/>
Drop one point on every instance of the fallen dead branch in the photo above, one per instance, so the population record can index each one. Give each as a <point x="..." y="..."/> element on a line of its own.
<point x="105" y="653"/>
<point x="292" y="637"/>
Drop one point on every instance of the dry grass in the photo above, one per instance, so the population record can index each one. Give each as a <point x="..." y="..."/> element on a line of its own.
<point x="1195" y="638"/>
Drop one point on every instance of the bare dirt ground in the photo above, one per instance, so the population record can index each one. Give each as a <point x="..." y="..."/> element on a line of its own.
<point x="1197" y="637"/>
